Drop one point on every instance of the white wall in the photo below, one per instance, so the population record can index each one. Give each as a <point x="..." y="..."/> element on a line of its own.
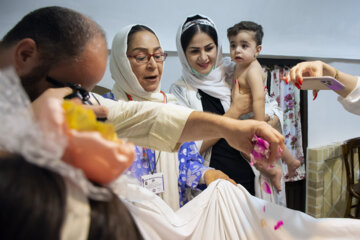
<point x="306" y="29"/>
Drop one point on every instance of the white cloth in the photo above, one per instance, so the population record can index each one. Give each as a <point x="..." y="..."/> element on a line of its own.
<point x="224" y="211"/>
<point x="214" y="83"/>
<point x="127" y="83"/>
<point x="351" y="102"/>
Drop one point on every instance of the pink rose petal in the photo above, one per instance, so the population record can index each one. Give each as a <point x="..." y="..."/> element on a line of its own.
<point x="278" y="225"/>
<point x="261" y="149"/>
<point x="263" y="223"/>
<point x="266" y="188"/>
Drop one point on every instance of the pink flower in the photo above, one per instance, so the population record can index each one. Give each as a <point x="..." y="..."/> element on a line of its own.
<point x="267" y="189"/>
<point x="288" y="98"/>
<point x="278" y="225"/>
<point x="261" y="150"/>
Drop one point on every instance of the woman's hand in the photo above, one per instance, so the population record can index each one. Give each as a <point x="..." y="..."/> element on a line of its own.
<point x="308" y="69"/>
<point x="274" y="122"/>
<point x="242" y="132"/>
<point x="241" y="103"/>
<point x="213" y="174"/>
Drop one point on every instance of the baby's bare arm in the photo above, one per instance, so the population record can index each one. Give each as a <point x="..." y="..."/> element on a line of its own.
<point x="255" y="80"/>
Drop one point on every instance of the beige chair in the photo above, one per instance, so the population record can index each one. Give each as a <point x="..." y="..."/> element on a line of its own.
<point x="351" y="153"/>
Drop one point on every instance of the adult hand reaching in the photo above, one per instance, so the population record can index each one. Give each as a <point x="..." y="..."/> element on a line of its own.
<point x="241" y="137"/>
<point x="318" y="69"/>
<point x="213" y="174"/>
<point x="240" y="103"/>
<point x="238" y="133"/>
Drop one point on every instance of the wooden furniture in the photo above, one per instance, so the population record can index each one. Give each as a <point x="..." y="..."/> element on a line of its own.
<point x="351" y="153"/>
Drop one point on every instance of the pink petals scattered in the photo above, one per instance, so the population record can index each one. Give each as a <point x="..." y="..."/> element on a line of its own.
<point x="278" y="225"/>
<point x="261" y="150"/>
<point x="263" y="223"/>
<point x="266" y="188"/>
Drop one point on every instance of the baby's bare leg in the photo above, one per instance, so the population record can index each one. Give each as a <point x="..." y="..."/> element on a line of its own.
<point x="291" y="162"/>
<point x="274" y="174"/>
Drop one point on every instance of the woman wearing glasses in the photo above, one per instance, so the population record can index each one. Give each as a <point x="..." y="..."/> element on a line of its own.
<point x="136" y="66"/>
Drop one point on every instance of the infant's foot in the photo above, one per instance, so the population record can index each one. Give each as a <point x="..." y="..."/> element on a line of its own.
<point x="275" y="179"/>
<point x="292" y="166"/>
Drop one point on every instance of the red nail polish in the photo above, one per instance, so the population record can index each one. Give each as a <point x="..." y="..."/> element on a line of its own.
<point x="235" y="80"/>
<point x="297" y="85"/>
<point x="300" y="81"/>
<point x="315" y="95"/>
<point x="286" y="80"/>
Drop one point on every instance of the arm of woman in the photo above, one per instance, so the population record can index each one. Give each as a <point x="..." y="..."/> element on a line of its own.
<point x="192" y="169"/>
<point x="240" y="104"/>
<point x="317" y="69"/>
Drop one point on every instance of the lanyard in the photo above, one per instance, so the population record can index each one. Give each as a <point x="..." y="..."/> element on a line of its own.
<point x="145" y="150"/>
<point x="146" y="157"/>
<point x="164" y="101"/>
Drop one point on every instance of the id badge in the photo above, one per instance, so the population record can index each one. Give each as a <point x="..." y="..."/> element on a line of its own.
<point x="153" y="182"/>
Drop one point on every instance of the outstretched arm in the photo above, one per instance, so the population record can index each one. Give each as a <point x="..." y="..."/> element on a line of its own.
<point x="238" y="133"/>
<point x="240" y="104"/>
<point x="317" y="69"/>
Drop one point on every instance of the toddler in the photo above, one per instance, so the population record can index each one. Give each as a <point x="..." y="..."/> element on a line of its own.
<point x="245" y="45"/>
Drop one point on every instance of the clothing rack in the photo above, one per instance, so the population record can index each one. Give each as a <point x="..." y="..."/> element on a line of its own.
<point x="295" y="191"/>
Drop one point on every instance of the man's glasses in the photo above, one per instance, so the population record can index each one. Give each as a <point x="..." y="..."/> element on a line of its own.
<point x="78" y="91"/>
<point x="145" y="58"/>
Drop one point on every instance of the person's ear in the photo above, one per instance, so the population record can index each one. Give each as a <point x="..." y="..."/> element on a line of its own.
<point x="26" y="56"/>
<point x="258" y="50"/>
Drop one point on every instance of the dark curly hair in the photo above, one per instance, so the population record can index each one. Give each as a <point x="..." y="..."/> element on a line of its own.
<point x="247" y="26"/>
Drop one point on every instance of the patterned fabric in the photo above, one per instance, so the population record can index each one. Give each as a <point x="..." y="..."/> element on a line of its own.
<point x="191" y="166"/>
<point x="141" y="165"/>
<point x="190" y="170"/>
<point x="288" y="98"/>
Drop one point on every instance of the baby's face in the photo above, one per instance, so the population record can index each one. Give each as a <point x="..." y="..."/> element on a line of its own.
<point x="243" y="47"/>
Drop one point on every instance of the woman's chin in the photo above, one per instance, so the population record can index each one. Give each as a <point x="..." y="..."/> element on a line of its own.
<point x="151" y="88"/>
<point x="204" y="71"/>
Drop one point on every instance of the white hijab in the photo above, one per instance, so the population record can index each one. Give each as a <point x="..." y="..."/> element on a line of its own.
<point x="214" y="83"/>
<point x="125" y="80"/>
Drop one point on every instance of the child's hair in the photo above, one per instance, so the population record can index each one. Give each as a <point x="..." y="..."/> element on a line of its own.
<point x="188" y="34"/>
<point x="247" y="26"/>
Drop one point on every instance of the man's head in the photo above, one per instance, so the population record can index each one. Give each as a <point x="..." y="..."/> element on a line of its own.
<point x="56" y="42"/>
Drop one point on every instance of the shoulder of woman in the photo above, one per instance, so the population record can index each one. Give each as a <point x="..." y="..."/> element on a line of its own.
<point x="180" y="87"/>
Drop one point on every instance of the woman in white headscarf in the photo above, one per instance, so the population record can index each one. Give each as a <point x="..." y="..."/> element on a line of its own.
<point x="136" y="65"/>
<point x="207" y="84"/>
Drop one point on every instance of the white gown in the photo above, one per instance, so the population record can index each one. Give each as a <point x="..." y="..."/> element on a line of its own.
<point x="224" y="211"/>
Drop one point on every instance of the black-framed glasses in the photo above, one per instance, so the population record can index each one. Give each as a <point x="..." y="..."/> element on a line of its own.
<point x="144" y="58"/>
<point x="78" y="91"/>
